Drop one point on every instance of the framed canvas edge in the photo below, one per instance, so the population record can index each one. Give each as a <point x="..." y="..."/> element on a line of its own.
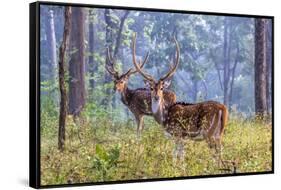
<point x="34" y="93"/>
<point x="34" y="96"/>
<point x="272" y="97"/>
<point x="151" y="9"/>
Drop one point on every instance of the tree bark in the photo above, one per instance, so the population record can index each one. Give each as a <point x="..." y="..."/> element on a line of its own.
<point x="77" y="93"/>
<point x="260" y="67"/>
<point x="226" y="58"/>
<point x="109" y="44"/>
<point x="63" y="96"/>
<point x="233" y="69"/>
<point x="119" y="34"/>
<point x="268" y="65"/>
<point x="51" y="43"/>
<point x="92" y="65"/>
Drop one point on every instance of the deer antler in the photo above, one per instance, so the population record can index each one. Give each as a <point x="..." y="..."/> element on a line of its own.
<point x="110" y="68"/>
<point x="133" y="71"/>
<point x="137" y="66"/>
<point x="174" y="68"/>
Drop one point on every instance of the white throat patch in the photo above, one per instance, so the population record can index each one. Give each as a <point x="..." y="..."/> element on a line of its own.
<point x="155" y="106"/>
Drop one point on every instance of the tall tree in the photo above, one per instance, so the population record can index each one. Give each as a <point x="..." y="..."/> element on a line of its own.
<point x="260" y="66"/>
<point x="227" y="79"/>
<point x="268" y="65"/>
<point x="193" y="42"/>
<point x="63" y="95"/>
<point x="112" y="30"/>
<point x="228" y="55"/>
<point x="109" y="43"/>
<point x="51" y="42"/>
<point x="77" y="93"/>
<point x="226" y="58"/>
<point x="92" y="65"/>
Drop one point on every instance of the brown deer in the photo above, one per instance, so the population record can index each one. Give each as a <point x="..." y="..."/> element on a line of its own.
<point x="199" y="121"/>
<point x="137" y="100"/>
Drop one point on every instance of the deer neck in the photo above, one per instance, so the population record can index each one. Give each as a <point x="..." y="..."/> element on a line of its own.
<point x="158" y="110"/>
<point x="125" y="95"/>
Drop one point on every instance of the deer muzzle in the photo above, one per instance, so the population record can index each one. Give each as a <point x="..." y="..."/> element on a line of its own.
<point x="156" y="98"/>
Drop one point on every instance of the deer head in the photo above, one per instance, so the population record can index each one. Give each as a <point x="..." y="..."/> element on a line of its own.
<point x="121" y="81"/>
<point x="157" y="86"/>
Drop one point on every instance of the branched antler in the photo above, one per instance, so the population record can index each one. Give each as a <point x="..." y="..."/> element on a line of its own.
<point x="148" y="76"/>
<point x="137" y="66"/>
<point x="174" y="68"/>
<point x="110" y="65"/>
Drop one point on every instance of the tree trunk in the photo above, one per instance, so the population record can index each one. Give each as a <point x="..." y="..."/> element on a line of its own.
<point x="109" y="44"/>
<point x="92" y="65"/>
<point x="226" y="62"/>
<point x="119" y="33"/>
<point x="77" y="91"/>
<point x="110" y="27"/>
<point x="260" y="67"/>
<point x="63" y="96"/>
<point x="51" y="43"/>
<point x="268" y="65"/>
<point x="233" y="69"/>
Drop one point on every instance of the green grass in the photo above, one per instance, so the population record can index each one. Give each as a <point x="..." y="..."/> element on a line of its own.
<point x="100" y="150"/>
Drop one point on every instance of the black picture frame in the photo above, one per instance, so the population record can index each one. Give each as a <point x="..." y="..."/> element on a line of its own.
<point x="34" y="93"/>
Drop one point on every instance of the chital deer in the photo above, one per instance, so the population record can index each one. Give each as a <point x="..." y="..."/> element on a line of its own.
<point x="137" y="100"/>
<point x="200" y="121"/>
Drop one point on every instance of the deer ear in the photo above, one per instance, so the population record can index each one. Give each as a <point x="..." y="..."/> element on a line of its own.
<point x="146" y="83"/>
<point x="167" y="83"/>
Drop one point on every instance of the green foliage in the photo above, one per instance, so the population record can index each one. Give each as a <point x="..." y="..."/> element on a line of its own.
<point x="104" y="161"/>
<point x="49" y="106"/>
<point x="101" y="149"/>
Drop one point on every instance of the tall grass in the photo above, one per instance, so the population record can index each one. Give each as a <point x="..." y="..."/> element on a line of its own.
<point x="101" y="150"/>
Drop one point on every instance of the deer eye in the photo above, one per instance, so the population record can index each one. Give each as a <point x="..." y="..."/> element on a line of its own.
<point x="151" y="89"/>
<point x="161" y="88"/>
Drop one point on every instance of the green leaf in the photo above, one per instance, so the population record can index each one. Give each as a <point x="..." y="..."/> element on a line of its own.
<point x="101" y="153"/>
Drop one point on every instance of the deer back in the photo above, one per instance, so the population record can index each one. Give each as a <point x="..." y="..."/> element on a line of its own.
<point x="189" y="120"/>
<point x="170" y="98"/>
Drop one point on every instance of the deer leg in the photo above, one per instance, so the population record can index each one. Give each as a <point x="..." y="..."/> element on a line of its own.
<point x="217" y="139"/>
<point x="139" y="120"/>
<point x="224" y="165"/>
<point x="175" y="154"/>
<point x="218" y="145"/>
<point x="181" y="151"/>
<point x="212" y="137"/>
<point x="227" y="165"/>
<point x="213" y="148"/>
<point x="218" y="149"/>
<point x="141" y="123"/>
<point x="178" y="152"/>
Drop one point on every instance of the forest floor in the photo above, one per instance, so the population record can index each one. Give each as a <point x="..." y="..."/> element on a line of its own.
<point x="99" y="150"/>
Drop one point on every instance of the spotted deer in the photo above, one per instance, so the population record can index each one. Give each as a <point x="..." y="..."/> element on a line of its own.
<point x="198" y="121"/>
<point x="137" y="100"/>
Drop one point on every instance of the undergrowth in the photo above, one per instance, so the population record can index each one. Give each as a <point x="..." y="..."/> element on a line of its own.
<point x="99" y="150"/>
